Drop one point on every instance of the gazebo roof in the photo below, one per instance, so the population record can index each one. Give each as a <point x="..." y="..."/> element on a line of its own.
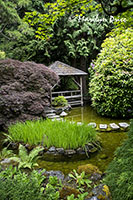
<point x="63" y="69"/>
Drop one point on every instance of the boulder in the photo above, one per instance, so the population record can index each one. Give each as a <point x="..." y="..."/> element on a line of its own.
<point x="24" y="90"/>
<point x="102" y="192"/>
<point x="89" y="169"/>
<point x="58" y="174"/>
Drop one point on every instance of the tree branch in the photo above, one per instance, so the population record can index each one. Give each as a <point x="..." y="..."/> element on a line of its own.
<point x="5" y="36"/>
<point x="119" y="7"/>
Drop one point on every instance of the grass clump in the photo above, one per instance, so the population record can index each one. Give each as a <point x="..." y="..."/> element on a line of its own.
<point x="120" y="171"/>
<point x="53" y="133"/>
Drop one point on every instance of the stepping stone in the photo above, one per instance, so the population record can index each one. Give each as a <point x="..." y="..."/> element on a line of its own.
<point x="50" y="114"/>
<point x="72" y="122"/>
<point x="124" y="125"/>
<point x="114" y="126"/>
<point x="63" y="114"/>
<point x="49" y="111"/>
<point x="59" y="119"/>
<point x="54" y="116"/>
<point x="103" y="126"/>
<point x="79" y="123"/>
<point x="92" y="124"/>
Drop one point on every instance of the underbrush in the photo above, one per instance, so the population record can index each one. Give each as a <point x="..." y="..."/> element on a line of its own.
<point x="53" y="133"/>
<point x="120" y="171"/>
<point x="17" y="185"/>
<point x="20" y="185"/>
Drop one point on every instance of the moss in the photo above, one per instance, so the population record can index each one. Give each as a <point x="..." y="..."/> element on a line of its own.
<point x="106" y="190"/>
<point x="88" y="169"/>
<point x="67" y="191"/>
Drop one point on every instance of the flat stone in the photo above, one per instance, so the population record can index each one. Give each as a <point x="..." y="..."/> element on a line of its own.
<point x="52" y="149"/>
<point x="59" y="119"/>
<point x="92" y="124"/>
<point x="63" y="114"/>
<point x="103" y="126"/>
<point x="114" y="126"/>
<point x="79" y="123"/>
<point x="72" y="122"/>
<point x="60" y="150"/>
<point x="49" y="111"/>
<point x="50" y="114"/>
<point x="70" y="152"/>
<point x="54" y="116"/>
<point x="123" y="125"/>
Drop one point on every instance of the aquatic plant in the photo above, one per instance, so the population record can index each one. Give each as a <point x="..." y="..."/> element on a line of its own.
<point x="53" y="133"/>
<point x="119" y="175"/>
<point x="26" y="160"/>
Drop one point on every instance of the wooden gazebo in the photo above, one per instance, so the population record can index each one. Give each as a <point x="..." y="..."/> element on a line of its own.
<point x="74" y="97"/>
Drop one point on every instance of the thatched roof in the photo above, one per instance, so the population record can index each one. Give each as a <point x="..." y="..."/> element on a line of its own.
<point x="63" y="69"/>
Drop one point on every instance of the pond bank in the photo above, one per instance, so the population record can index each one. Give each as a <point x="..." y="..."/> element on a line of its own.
<point x="109" y="140"/>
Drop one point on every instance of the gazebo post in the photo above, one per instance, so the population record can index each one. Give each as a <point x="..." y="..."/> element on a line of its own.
<point x="81" y="89"/>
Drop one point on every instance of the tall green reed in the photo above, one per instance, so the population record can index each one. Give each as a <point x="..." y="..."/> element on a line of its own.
<point x="53" y="133"/>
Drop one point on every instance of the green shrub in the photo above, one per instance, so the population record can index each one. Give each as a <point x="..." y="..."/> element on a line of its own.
<point x="17" y="185"/>
<point x="60" y="101"/>
<point x="53" y="133"/>
<point x="120" y="171"/>
<point x="111" y="87"/>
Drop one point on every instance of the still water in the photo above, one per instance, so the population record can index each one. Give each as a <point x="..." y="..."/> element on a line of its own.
<point x="110" y="141"/>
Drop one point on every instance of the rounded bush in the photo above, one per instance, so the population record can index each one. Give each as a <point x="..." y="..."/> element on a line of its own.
<point x="60" y="101"/>
<point x="111" y="86"/>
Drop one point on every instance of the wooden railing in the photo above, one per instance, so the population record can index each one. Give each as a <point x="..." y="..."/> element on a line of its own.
<point x="74" y="97"/>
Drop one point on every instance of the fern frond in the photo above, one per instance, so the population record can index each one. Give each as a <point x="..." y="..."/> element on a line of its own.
<point x="34" y="153"/>
<point x="23" y="153"/>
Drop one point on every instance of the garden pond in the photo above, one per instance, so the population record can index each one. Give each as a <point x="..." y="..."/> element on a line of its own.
<point x="110" y="141"/>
